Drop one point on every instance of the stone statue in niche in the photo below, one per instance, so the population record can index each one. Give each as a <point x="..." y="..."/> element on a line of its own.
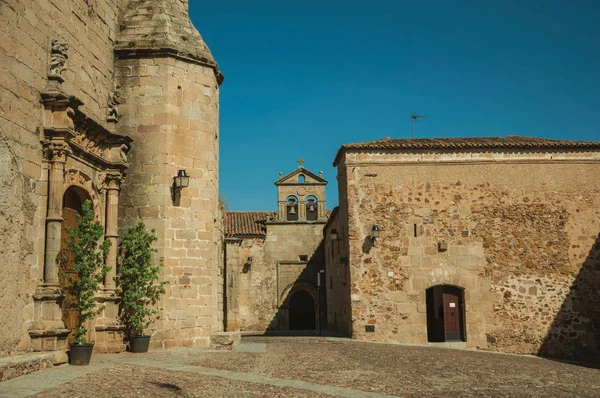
<point x="58" y="60"/>
<point x="114" y="101"/>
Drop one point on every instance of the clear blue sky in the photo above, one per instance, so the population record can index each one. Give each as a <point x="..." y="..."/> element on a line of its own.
<point x="304" y="77"/>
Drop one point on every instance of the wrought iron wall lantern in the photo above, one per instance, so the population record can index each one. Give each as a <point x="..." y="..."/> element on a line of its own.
<point x="247" y="266"/>
<point x="374" y="234"/>
<point x="180" y="181"/>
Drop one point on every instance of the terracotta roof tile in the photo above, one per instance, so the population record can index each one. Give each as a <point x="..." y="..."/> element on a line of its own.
<point x="246" y="223"/>
<point x="510" y="142"/>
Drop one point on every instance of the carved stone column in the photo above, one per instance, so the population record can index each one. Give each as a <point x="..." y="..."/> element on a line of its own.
<point x="56" y="154"/>
<point x="113" y="186"/>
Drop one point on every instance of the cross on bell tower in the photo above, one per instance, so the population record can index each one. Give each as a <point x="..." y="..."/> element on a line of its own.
<point x="300" y="162"/>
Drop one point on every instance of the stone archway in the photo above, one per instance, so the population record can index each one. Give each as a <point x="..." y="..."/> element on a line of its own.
<point x="302" y="311"/>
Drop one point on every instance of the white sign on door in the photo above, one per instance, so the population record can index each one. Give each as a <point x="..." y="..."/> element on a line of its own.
<point x="452" y="305"/>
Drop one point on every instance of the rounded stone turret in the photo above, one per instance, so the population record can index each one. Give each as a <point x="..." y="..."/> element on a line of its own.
<point x="162" y="26"/>
<point x="169" y="83"/>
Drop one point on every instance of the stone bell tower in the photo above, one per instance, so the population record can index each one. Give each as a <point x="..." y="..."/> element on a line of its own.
<point x="301" y="196"/>
<point x="169" y="89"/>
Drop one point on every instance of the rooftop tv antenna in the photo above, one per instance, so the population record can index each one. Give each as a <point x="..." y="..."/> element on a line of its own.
<point x="413" y="117"/>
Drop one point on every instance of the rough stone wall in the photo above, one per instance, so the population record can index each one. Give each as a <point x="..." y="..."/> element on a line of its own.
<point x="171" y="112"/>
<point x="27" y="29"/>
<point x="276" y="268"/>
<point x="219" y="273"/>
<point x="250" y="291"/>
<point x="515" y="233"/>
<point x="337" y="273"/>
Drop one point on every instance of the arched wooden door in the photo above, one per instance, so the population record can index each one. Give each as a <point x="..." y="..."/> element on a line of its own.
<point x="302" y="311"/>
<point x="71" y="208"/>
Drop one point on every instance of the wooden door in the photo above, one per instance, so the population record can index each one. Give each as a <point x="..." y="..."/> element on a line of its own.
<point x="452" y="304"/>
<point x="67" y="266"/>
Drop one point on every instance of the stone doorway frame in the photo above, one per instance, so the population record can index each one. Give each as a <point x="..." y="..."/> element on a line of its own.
<point x="436" y="317"/>
<point x="287" y="294"/>
<point x="77" y="151"/>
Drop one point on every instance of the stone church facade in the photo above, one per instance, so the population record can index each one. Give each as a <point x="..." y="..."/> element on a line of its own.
<point x="490" y="243"/>
<point x="274" y="261"/>
<point x="107" y="100"/>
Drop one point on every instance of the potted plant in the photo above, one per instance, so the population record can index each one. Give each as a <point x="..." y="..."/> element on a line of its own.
<point x="88" y="255"/>
<point x="138" y="279"/>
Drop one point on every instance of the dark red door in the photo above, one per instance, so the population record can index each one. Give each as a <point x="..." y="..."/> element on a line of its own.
<point x="452" y="302"/>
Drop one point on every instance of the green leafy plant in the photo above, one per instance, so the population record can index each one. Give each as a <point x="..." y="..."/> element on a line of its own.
<point x="138" y="279"/>
<point x="89" y="256"/>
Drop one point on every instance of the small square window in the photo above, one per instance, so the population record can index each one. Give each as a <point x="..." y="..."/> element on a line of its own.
<point x="303" y="257"/>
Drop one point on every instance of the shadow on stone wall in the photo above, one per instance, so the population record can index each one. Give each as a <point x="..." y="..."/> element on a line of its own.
<point x="575" y="331"/>
<point x="306" y="281"/>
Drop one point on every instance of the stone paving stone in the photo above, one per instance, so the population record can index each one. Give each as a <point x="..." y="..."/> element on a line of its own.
<point x="313" y="367"/>
<point x="126" y="381"/>
<point x="410" y="370"/>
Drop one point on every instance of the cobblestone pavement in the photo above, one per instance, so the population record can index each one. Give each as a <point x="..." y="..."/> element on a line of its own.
<point x="311" y="367"/>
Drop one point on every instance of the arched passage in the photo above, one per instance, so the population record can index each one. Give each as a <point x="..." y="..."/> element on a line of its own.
<point x="445" y="314"/>
<point x="302" y="311"/>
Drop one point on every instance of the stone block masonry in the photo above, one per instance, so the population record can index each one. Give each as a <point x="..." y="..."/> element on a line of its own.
<point x="171" y="112"/>
<point x="518" y="235"/>
<point x="78" y="73"/>
<point x="26" y="32"/>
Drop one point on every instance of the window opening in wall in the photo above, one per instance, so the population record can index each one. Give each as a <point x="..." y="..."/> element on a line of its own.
<point x="301" y="178"/>
<point x="292" y="208"/>
<point x="312" y="210"/>
<point x="303" y="257"/>
<point x="415" y="230"/>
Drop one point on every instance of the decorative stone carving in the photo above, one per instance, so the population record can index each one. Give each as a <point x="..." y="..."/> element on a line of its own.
<point x="114" y="101"/>
<point x="75" y="177"/>
<point x="55" y="152"/>
<point x="89" y="143"/>
<point x="58" y="60"/>
<point x="117" y="154"/>
<point x="114" y="180"/>
<point x="99" y="182"/>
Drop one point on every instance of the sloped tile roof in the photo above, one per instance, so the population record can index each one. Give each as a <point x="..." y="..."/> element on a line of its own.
<point x="247" y="223"/>
<point x="510" y="142"/>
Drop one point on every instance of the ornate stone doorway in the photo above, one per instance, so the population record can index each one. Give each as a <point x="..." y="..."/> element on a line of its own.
<point x="302" y="311"/>
<point x="72" y="202"/>
<point x="445" y="314"/>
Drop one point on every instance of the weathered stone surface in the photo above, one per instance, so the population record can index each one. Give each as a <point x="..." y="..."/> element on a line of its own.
<point x="225" y="340"/>
<point x="520" y="236"/>
<point x="59" y="84"/>
<point x="15" y="366"/>
<point x="286" y="257"/>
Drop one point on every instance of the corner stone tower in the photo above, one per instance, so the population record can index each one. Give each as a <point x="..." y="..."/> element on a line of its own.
<point x="169" y="88"/>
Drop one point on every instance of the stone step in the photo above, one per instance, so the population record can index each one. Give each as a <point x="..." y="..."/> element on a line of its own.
<point x="18" y="365"/>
